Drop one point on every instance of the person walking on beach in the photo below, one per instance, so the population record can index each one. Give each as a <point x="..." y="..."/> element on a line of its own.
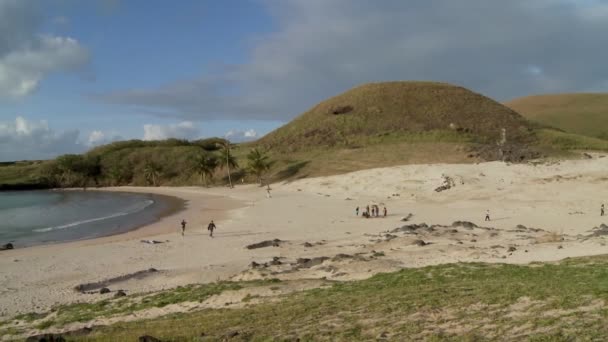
<point x="602" y="210"/>
<point x="367" y="210"/>
<point x="183" y="227"/>
<point x="488" y="215"/>
<point x="357" y="211"/>
<point x="268" y="193"/>
<point x="384" y="211"/>
<point x="211" y="227"/>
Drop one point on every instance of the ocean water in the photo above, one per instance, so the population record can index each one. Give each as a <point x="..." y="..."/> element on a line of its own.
<point x="30" y="218"/>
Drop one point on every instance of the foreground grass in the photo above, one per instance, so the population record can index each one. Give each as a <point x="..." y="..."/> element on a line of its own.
<point x="541" y="302"/>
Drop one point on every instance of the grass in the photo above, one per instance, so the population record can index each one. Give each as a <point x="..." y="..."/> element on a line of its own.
<point x="585" y="114"/>
<point x="568" y="141"/>
<point x="456" y="302"/>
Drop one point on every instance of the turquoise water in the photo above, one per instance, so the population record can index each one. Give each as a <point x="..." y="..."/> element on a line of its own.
<point x="40" y="217"/>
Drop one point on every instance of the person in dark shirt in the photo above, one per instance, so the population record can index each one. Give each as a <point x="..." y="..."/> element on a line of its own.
<point x="211" y="227"/>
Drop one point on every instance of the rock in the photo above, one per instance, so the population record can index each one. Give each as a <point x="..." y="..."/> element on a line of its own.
<point x="120" y="293"/>
<point x="104" y="290"/>
<point x="389" y="237"/>
<point x="587" y="155"/>
<point x="275" y="261"/>
<point x="452" y="231"/>
<point x="307" y="244"/>
<point x="410" y="228"/>
<point x="152" y="269"/>
<point x="464" y="224"/>
<point x="560" y="247"/>
<point x="148" y="338"/>
<point x="419" y="243"/>
<point x="473" y="240"/>
<point x="511" y="249"/>
<point x="254" y="264"/>
<point x="407" y="218"/>
<point x="308" y="263"/>
<point x="267" y="243"/>
<point x="46" y="338"/>
<point x="448" y="183"/>
<point x="341" y="256"/>
<point x="337" y="110"/>
<point x="7" y="247"/>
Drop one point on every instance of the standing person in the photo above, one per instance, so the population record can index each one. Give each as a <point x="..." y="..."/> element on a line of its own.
<point x="384" y="211"/>
<point x="367" y="210"/>
<point x="602" y="210"/>
<point x="357" y="211"/>
<point x="268" y="193"/>
<point x="183" y="227"/>
<point x="488" y="215"/>
<point x="211" y="227"/>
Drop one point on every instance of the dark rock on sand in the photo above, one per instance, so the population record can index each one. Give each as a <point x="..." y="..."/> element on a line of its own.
<point x="341" y="256"/>
<point x="407" y="218"/>
<point x="267" y="243"/>
<point x="464" y="224"/>
<point x="120" y="293"/>
<point x="410" y="228"/>
<point x="104" y="290"/>
<point x="7" y="247"/>
<point x="46" y="338"/>
<point x="511" y="249"/>
<point x="276" y="261"/>
<point x="307" y="244"/>
<point x="308" y="263"/>
<point x="148" y="338"/>
<point x="419" y="243"/>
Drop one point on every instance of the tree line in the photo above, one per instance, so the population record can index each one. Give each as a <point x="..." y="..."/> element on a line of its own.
<point x="142" y="163"/>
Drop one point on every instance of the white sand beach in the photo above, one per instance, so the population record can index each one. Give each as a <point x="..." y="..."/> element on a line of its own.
<point x="556" y="206"/>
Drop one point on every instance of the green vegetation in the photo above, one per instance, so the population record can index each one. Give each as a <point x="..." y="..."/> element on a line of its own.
<point x="464" y="302"/>
<point x="585" y="114"/>
<point x="399" y="108"/>
<point x="373" y="125"/>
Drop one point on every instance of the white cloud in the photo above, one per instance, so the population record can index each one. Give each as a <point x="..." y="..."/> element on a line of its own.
<point x="27" y="57"/>
<point x="22" y="139"/>
<point x="96" y="138"/>
<point x="182" y="130"/>
<point x="236" y="135"/>
<point x="323" y="47"/>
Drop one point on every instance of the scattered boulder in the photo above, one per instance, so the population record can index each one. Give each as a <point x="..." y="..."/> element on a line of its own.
<point x="407" y="218"/>
<point x="521" y="227"/>
<point x="420" y="243"/>
<point x="120" y="293"/>
<point x="560" y="247"/>
<point x="267" y="243"/>
<point x="104" y="290"/>
<point x="341" y="256"/>
<point x="308" y="263"/>
<point x="307" y="244"/>
<point x="46" y="338"/>
<point x="473" y="240"/>
<point x="587" y="155"/>
<point x="410" y="228"/>
<point x="464" y="224"/>
<point x="148" y="338"/>
<point x="448" y="183"/>
<point x="7" y="246"/>
<point x="254" y="264"/>
<point x="511" y="249"/>
<point x="275" y="261"/>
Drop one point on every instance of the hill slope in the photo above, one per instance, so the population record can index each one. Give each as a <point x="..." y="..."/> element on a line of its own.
<point x="585" y="114"/>
<point x="407" y="109"/>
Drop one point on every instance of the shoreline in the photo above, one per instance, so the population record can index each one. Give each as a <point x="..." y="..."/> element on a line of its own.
<point x="541" y="213"/>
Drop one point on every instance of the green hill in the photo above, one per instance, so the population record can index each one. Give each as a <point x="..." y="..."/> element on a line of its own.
<point x="585" y="114"/>
<point x="412" y="110"/>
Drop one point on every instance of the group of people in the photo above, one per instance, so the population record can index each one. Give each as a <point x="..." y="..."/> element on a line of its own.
<point x="211" y="227"/>
<point x="374" y="212"/>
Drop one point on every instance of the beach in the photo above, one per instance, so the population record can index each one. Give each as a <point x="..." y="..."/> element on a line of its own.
<point x="538" y="212"/>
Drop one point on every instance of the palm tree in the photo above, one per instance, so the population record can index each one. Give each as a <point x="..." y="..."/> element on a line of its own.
<point x="204" y="166"/>
<point x="258" y="163"/>
<point x="227" y="160"/>
<point x="151" y="172"/>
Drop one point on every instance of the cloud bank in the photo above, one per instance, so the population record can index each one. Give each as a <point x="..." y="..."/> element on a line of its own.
<point x="22" y="139"/>
<point x="27" y="57"/>
<point x="182" y="130"/>
<point x="503" y="49"/>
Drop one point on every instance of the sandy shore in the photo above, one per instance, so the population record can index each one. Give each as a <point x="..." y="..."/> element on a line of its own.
<point x="539" y="212"/>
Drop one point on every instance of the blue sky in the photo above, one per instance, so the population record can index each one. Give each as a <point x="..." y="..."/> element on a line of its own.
<point x="74" y="74"/>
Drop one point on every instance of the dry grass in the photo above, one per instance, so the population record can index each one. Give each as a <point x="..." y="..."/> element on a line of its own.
<point x="585" y="114"/>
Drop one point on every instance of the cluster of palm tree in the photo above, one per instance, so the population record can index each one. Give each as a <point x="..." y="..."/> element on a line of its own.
<point x="206" y="163"/>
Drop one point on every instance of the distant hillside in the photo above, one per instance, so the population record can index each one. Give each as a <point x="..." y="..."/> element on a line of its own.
<point x="408" y="109"/>
<point x="585" y="114"/>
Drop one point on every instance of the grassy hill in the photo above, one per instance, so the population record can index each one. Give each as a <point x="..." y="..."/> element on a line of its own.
<point x="585" y="114"/>
<point x="373" y="125"/>
<point x="412" y="111"/>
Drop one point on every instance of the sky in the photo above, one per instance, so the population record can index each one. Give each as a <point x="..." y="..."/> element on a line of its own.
<point x="77" y="74"/>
